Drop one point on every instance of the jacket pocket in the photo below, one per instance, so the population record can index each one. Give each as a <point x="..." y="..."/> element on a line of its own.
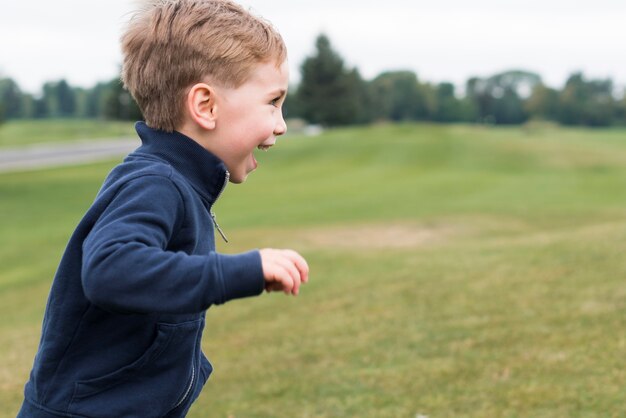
<point x="157" y="382"/>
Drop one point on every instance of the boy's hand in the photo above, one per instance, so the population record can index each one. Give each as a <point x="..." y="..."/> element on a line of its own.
<point x="284" y="270"/>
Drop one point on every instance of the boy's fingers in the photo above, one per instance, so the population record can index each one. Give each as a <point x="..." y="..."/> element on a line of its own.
<point x="289" y="266"/>
<point x="300" y="263"/>
<point x="283" y="276"/>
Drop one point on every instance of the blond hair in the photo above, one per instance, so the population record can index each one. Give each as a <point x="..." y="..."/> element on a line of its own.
<point x="169" y="45"/>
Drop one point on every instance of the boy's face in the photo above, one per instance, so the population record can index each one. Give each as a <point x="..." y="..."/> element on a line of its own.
<point x="250" y="117"/>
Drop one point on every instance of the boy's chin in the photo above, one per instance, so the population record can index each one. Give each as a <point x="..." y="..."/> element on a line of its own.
<point x="240" y="172"/>
<point x="238" y="178"/>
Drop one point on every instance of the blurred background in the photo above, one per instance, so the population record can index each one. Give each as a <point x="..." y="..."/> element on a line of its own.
<point x="454" y="172"/>
<point x="63" y="59"/>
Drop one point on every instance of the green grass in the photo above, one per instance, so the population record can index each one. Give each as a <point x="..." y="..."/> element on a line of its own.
<point x="16" y="133"/>
<point x="456" y="271"/>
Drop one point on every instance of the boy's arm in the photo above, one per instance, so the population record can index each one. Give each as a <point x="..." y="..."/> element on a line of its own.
<point x="127" y="267"/>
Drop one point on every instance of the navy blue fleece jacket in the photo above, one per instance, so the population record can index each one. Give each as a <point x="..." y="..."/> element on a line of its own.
<point x="122" y="329"/>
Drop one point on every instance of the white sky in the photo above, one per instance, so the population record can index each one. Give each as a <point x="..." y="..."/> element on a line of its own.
<point x="444" y="40"/>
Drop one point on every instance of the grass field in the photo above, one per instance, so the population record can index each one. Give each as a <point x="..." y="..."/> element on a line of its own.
<point x="16" y="133"/>
<point x="456" y="271"/>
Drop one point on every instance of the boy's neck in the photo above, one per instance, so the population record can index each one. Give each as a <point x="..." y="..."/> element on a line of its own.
<point x="199" y="135"/>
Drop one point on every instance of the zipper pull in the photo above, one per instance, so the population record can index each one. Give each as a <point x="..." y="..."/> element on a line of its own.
<point x="218" y="227"/>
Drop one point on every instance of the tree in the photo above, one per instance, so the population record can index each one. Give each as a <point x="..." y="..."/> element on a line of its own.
<point x="292" y="107"/>
<point x="620" y="109"/>
<point x="65" y="99"/>
<point x="543" y="103"/>
<point x="329" y="94"/>
<point x="28" y="106"/>
<point x="93" y="100"/>
<point x="584" y="102"/>
<point x="399" y="96"/>
<point x="117" y="102"/>
<point x="499" y="98"/>
<point x="447" y="107"/>
<point x="10" y="99"/>
<point x="572" y="100"/>
<point x="40" y="108"/>
<point x="80" y="97"/>
<point x="58" y="99"/>
<point x="359" y="96"/>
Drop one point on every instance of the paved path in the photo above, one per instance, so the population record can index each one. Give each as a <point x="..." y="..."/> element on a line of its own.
<point x="77" y="152"/>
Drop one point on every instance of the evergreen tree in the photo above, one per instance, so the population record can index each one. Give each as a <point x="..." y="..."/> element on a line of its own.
<point x="329" y="93"/>
<point x="292" y="107"/>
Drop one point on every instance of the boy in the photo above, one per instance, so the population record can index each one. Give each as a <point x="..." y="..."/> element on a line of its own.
<point x="122" y="330"/>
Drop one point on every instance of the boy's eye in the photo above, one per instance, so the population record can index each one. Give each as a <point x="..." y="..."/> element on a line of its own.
<point x="274" y="102"/>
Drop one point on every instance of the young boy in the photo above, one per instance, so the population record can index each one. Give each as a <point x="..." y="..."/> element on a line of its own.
<point x="123" y="325"/>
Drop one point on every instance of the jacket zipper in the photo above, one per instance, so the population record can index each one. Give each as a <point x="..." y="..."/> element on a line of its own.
<point x="217" y="226"/>
<point x="193" y="377"/>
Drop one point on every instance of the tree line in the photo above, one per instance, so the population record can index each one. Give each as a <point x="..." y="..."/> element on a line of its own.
<point x="105" y="100"/>
<point x="331" y="94"/>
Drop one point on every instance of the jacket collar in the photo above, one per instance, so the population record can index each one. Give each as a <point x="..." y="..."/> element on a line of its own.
<point x="205" y="171"/>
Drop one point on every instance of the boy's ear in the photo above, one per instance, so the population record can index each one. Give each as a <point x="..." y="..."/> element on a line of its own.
<point x="201" y="105"/>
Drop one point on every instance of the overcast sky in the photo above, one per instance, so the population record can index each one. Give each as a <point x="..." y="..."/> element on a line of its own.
<point x="444" y="40"/>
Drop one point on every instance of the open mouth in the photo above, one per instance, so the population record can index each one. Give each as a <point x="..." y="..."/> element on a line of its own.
<point x="264" y="147"/>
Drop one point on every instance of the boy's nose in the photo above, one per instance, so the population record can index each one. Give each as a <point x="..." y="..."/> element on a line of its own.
<point x="281" y="126"/>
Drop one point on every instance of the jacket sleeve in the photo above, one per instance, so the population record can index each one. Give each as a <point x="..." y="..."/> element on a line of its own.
<point x="128" y="268"/>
